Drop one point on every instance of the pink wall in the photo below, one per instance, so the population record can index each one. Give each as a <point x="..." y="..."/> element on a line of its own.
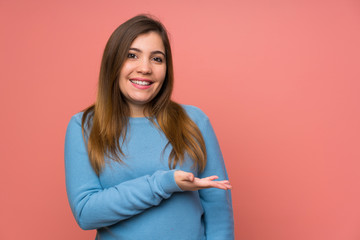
<point x="279" y="80"/>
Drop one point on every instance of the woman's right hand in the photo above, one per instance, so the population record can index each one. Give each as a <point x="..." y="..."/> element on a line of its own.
<point x="187" y="182"/>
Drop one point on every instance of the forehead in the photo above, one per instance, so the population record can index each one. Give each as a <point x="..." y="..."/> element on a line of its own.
<point x="148" y="42"/>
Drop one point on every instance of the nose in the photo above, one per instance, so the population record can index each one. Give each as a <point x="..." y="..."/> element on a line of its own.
<point x="144" y="67"/>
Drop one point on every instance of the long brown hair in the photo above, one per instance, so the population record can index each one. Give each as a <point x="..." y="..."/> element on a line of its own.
<point x="106" y="121"/>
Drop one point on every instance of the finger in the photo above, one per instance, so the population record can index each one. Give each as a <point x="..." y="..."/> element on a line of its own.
<point x="205" y="183"/>
<point x="221" y="185"/>
<point x="211" y="178"/>
<point x="224" y="181"/>
<point x="227" y="184"/>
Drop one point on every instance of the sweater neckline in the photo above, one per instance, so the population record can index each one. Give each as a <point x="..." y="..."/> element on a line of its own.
<point x="139" y="119"/>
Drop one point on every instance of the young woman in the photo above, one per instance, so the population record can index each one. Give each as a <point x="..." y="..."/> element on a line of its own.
<point x="138" y="165"/>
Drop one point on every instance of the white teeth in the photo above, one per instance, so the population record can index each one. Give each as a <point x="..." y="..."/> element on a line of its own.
<point x="144" y="83"/>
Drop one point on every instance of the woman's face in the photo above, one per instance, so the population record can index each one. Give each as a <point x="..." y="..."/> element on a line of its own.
<point x="143" y="72"/>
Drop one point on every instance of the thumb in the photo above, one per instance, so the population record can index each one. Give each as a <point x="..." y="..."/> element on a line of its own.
<point x="190" y="177"/>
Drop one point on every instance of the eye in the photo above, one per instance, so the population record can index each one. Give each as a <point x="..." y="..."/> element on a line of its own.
<point x="131" y="55"/>
<point x="158" y="59"/>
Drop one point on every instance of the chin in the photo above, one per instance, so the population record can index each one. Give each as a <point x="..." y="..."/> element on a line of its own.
<point x="141" y="101"/>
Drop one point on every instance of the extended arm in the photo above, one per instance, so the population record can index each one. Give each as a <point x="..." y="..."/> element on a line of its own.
<point x="96" y="207"/>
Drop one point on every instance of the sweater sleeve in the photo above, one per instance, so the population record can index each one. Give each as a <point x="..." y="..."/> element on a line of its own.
<point x="217" y="204"/>
<point x="95" y="207"/>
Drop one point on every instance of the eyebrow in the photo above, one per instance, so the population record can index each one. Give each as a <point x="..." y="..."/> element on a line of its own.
<point x="153" y="52"/>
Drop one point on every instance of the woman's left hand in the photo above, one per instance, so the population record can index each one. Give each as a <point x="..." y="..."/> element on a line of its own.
<point x="187" y="182"/>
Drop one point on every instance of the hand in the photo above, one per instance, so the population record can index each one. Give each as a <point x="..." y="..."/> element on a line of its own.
<point x="187" y="182"/>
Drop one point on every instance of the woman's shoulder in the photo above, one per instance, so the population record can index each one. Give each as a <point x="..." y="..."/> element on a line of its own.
<point x="195" y="113"/>
<point x="75" y="123"/>
<point x="76" y="118"/>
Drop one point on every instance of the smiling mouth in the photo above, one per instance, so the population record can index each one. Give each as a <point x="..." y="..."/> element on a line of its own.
<point x="142" y="83"/>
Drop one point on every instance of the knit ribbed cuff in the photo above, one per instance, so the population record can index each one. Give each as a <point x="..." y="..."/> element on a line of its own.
<point x="168" y="182"/>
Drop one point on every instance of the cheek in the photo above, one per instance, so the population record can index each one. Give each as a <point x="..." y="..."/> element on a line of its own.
<point x="124" y="74"/>
<point x="122" y="82"/>
<point x="125" y="70"/>
<point x="161" y="74"/>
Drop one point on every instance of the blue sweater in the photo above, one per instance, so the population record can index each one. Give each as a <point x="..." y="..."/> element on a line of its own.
<point x="139" y="199"/>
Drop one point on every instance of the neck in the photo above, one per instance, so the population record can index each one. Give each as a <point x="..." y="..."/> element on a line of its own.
<point x="136" y="111"/>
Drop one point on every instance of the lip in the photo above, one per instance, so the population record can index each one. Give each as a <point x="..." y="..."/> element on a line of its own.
<point x="141" y="79"/>
<point x="141" y="86"/>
